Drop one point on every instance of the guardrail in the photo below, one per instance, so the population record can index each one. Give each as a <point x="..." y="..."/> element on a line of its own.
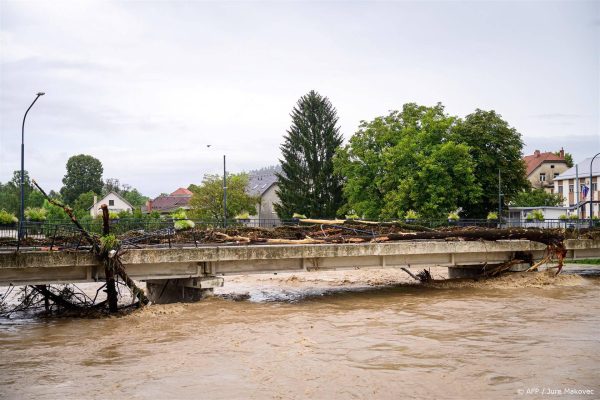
<point x="65" y="235"/>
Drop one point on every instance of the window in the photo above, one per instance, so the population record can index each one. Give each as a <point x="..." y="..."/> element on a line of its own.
<point x="594" y="187"/>
<point x="551" y="166"/>
<point x="542" y="177"/>
<point x="111" y="202"/>
<point x="571" y="188"/>
<point x="560" y="189"/>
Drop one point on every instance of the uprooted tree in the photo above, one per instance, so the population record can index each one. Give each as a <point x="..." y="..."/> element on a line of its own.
<point x="67" y="297"/>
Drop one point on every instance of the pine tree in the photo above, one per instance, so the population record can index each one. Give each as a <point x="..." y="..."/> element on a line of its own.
<point x="307" y="184"/>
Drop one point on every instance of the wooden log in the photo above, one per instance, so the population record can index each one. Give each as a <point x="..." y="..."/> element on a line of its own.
<point x="109" y="271"/>
<point x="535" y="235"/>
<point x="103" y="257"/>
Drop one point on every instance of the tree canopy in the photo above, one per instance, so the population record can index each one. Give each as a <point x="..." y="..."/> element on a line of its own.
<point x="568" y="158"/>
<point x="536" y="198"/>
<point x="84" y="174"/>
<point x="207" y="200"/>
<point x="495" y="146"/>
<point x="129" y="193"/>
<point x="407" y="161"/>
<point x="308" y="184"/>
<point x="10" y="194"/>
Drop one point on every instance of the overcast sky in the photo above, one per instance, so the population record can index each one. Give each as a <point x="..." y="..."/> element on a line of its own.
<point x="144" y="86"/>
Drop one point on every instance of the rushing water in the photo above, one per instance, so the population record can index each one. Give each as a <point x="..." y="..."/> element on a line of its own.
<point x="324" y="337"/>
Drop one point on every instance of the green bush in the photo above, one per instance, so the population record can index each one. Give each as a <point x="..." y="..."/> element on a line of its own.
<point x="37" y="214"/>
<point x="492" y="216"/>
<point x="7" y="218"/>
<point x="573" y="216"/>
<point x="179" y="214"/>
<point x="563" y="217"/>
<point x="535" y="215"/>
<point x="453" y="216"/>
<point x="298" y="216"/>
<point x="181" y="222"/>
<point x="184" y="224"/>
<point x="412" y="214"/>
<point x="109" y="242"/>
<point x="243" y="215"/>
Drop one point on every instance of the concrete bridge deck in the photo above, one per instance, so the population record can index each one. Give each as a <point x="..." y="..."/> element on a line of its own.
<point x="158" y="264"/>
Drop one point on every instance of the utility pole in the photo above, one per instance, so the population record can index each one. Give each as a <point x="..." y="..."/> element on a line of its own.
<point x="577" y="190"/>
<point x="499" y="200"/>
<point x="592" y="191"/>
<point x="224" y="193"/>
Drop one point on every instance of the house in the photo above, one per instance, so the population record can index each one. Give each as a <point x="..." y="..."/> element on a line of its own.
<point x="263" y="184"/>
<point x="169" y="203"/>
<point x="543" y="168"/>
<point x="114" y="201"/>
<point x="517" y="215"/>
<point x="571" y="182"/>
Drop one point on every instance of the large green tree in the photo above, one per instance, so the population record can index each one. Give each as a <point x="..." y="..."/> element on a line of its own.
<point x="207" y="201"/>
<point x="10" y="193"/>
<point x="307" y="183"/>
<point x="495" y="146"/>
<point x="82" y="204"/>
<point x="407" y="160"/>
<point x="84" y="174"/>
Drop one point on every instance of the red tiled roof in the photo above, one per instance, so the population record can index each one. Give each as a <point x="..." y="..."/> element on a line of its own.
<point x="182" y="192"/>
<point x="170" y="203"/>
<point x="536" y="159"/>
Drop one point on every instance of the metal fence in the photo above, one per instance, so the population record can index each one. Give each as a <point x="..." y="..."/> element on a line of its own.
<point x="64" y="233"/>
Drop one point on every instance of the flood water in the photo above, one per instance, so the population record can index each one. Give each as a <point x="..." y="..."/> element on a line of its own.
<point x="332" y="336"/>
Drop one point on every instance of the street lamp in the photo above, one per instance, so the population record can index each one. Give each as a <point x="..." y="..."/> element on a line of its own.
<point x="22" y="215"/>
<point x="592" y="191"/>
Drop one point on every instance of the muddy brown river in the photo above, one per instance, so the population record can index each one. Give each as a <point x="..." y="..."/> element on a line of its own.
<point x="337" y="335"/>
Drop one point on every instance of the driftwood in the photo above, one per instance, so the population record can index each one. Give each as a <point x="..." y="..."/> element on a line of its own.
<point x="109" y="270"/>
<point x="111" y="262"/>
<point x="357" y="223"/>
<point x="551" y="238"/>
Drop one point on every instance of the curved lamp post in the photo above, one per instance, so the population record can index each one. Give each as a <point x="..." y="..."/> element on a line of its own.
<point x="22" y="214"/>
<point x="592" y="191"/>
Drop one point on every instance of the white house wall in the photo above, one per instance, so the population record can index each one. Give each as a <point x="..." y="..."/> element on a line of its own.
<point x="118" y="205"/>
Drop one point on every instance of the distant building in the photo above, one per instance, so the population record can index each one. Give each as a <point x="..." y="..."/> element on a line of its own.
<point x="518" y="215"/>
<point x="167" y="204"/>
<point x="114" y="201"/>
<point x="263" y="183"/>
<point x="543" y="168"/>
<point x="567" y="185"/>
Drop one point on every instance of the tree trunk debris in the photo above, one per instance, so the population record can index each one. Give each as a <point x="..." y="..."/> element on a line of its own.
<point x="111" y="262"/>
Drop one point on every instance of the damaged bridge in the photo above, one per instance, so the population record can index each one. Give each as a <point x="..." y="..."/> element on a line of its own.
<point x="188" y="273"/>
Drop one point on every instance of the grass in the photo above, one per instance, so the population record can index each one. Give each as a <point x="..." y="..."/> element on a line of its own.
<point x="592" y="261"/>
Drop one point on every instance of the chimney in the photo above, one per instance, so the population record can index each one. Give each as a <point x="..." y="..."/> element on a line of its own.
<point x="149" y="206"/>
<point x="562" y="153"/>
<point x="536" y="153"/>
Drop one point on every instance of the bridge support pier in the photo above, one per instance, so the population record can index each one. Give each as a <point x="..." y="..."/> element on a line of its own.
<point x="187" y="290"/>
